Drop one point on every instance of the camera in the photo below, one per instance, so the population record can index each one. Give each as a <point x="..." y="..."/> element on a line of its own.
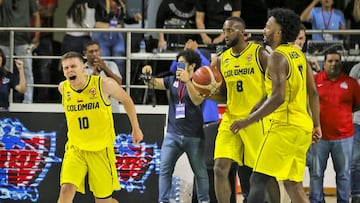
<point x="146" y="77"/>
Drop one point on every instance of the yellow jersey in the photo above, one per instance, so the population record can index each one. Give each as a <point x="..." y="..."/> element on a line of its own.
<point x="294" y="109"/>
<point x="244" y="79"/>
<point x="89" y="116"/>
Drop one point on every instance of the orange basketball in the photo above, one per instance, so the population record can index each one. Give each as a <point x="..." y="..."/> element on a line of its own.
<point x="207" y="80"/>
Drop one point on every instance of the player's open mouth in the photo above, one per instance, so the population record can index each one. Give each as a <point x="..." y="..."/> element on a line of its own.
<point x="72" y="77"/>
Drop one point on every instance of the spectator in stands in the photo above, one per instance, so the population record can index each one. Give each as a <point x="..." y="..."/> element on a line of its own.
<point x="79" y="15"/>
<point x="112" y="14"/>
<point x="10" y="80"/>
<point x="352" y="13"/>
<point x="42" y="67"/>
<point x="247" y="13"/>
<point x="324" y="17"/>
<point x="339" y="94"/>
<point x="95" y="65"/>
<point x="211" y="14"/>
<point x="17" y="14"/>
<point x="355" y="163"/>
<point x="301" y="38"/>
<point x="175" y="14"/>
<point x="296" y="6"/>
<point x="300" y="42"/>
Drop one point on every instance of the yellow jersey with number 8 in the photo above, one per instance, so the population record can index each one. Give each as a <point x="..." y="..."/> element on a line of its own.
<point x="89" y="116"/>
<point x="244" y="78"/>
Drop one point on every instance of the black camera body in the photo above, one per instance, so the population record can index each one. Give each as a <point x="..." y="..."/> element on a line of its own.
<point x="146" y="77"/>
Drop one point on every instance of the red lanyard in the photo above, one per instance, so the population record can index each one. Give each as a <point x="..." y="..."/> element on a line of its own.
<point x="326" y="24"/>
<point x="181" y="91"/>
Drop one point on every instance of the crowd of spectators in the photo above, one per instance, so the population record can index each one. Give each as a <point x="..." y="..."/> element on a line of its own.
<point x="186" y="14"/>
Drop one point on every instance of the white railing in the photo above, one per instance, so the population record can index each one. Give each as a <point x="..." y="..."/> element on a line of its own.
<point x="144" y="56"/>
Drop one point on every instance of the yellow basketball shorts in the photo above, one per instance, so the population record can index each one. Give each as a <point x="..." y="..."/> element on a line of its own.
<point x="99" y="165"/>
<point x="283" y="152"/>
<point x="241" y="147"/>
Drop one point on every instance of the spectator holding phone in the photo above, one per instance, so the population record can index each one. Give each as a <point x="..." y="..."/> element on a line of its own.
<point x="185" y="132"/>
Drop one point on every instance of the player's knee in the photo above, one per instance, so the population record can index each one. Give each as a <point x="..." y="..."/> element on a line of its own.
<point x="292" y="186"/>
<point x="220" y="171"/>
<point x="106" y="200"/>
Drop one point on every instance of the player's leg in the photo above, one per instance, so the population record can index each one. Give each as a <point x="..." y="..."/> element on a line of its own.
<point x="222" y="185"/>
<point x="107" y="200"/>
<point x="103" y="175"/>
<point x="293" y="184"/>
<point x="252" y="136"/>
<point x="296" y="192"/>
<point x="259" y="184"/>
<point x="67" y="193"/>
<point x="273" y="191"/>
<point x="73" y="172"/>
<point x="228" y="149"/>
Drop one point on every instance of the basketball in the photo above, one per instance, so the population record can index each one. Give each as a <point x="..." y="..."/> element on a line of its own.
<point x="207" y="80"/>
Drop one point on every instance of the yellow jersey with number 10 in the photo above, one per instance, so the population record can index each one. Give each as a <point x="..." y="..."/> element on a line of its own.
<point x="244" y="79"/>
<point x="294" y="109"/>
<point x="89" y="117"/>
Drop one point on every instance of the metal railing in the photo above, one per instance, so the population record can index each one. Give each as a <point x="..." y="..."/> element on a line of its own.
<point x="129" y="55"/>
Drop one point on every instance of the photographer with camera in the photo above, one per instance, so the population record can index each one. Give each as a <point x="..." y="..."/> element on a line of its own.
<point x="185" y="132"/>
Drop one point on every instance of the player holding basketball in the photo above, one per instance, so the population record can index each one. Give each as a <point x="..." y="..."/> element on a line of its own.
<point x="243" y="67"/>
<point x="290" y="87"/>
<point x="89" y="150"/>
<point x="185" y="125"/>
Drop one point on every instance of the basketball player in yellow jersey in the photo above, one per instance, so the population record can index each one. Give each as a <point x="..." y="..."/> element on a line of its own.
<point x="289" y="83"/>
<point x="243" y="68"/>
<point x="90" y="150"/>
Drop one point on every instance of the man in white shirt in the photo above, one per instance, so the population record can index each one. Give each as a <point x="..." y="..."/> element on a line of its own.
<point x="97" y="66"/>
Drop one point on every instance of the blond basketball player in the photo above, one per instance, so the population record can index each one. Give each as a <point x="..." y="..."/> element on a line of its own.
<point x="91" y="134"/>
